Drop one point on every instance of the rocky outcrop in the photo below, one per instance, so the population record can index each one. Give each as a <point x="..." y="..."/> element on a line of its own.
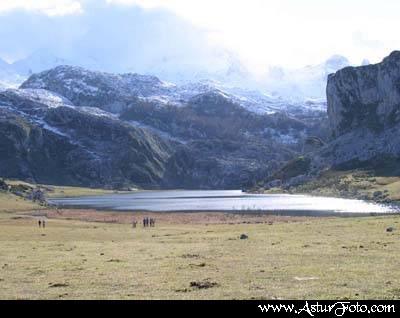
<point x="365" y="97"/>
<point x="364" y="114"/>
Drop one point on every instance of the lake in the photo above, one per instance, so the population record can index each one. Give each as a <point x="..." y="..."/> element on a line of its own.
<point x="232" y="201"/>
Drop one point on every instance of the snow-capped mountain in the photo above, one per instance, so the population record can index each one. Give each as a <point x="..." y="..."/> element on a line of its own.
<point x="279" y="86"/>
<point x="221" y="67"/>
<point x="38" y="61"/>
<point x="117" y="92"/>
<point x="8" y="76"/>
<point x="279" y="89"/>
<point x="294" y="91"/>
<point x="305" y="83"/>
<point x="14" y="74"/>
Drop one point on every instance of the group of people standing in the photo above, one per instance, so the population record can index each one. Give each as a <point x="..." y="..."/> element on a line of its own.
<point x="42" y="223"/>
<point x="147" y="222"/>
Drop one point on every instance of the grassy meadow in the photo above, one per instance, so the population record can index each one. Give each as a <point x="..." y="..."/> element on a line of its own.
<point x="318" y="258"/>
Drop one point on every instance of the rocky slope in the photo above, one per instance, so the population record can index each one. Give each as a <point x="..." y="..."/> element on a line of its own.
<point x="47" y="139"/>
<point x="225" y="145"/>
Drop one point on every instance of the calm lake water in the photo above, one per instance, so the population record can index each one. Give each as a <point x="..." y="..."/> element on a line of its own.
<point x="233" y="201"/>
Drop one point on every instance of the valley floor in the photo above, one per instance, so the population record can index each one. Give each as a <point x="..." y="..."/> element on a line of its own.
<point x="98" y="255"/>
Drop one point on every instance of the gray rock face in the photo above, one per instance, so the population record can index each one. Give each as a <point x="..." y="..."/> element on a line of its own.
<point x="365" y="97"/>
<point x="364" y="117"/>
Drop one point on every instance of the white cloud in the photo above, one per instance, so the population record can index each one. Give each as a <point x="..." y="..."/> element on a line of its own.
<point x="47" y="7"/>
<point x="290" y="32"/>
<point x="361" y="39"/>
<point x="260" y="33"/>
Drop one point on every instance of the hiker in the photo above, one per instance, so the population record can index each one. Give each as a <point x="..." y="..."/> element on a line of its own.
<point x="134" y="224"/>
<point x="40" y="223"/>
<point x="152" y="222"/>
<point x="44" y="223"/>
<point x="144" y="222"/>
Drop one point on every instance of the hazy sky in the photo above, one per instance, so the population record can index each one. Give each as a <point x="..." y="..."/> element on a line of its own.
<point x="259" y="32"/>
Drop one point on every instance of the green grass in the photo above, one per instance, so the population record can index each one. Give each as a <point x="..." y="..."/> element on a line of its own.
<point x="318" y="258"/>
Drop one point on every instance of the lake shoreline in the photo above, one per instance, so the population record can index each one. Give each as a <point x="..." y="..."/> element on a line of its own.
<point x="285" y="213"/>
<point x="234" y="202"/>
<point x="213" y="217"/>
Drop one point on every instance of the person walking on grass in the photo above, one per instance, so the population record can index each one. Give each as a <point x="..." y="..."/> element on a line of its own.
<point x="40" y="223"/>
<point x="44" y="223"/>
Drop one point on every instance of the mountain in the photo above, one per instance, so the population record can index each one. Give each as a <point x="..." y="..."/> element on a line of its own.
<point x="12" y="75"/>
<point x="223" y="145"/>
<point x="279" y="88"/>
<point x="36" y="62"/>
<point x="116" y="92"/>
<point x="8" y="77"/>
<point x="132" y="129"/>
<point x="111" y="92"/>
<point x="45" y="138"/>
<point x="304" y="83"/>
<point x="218" y="65"/>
